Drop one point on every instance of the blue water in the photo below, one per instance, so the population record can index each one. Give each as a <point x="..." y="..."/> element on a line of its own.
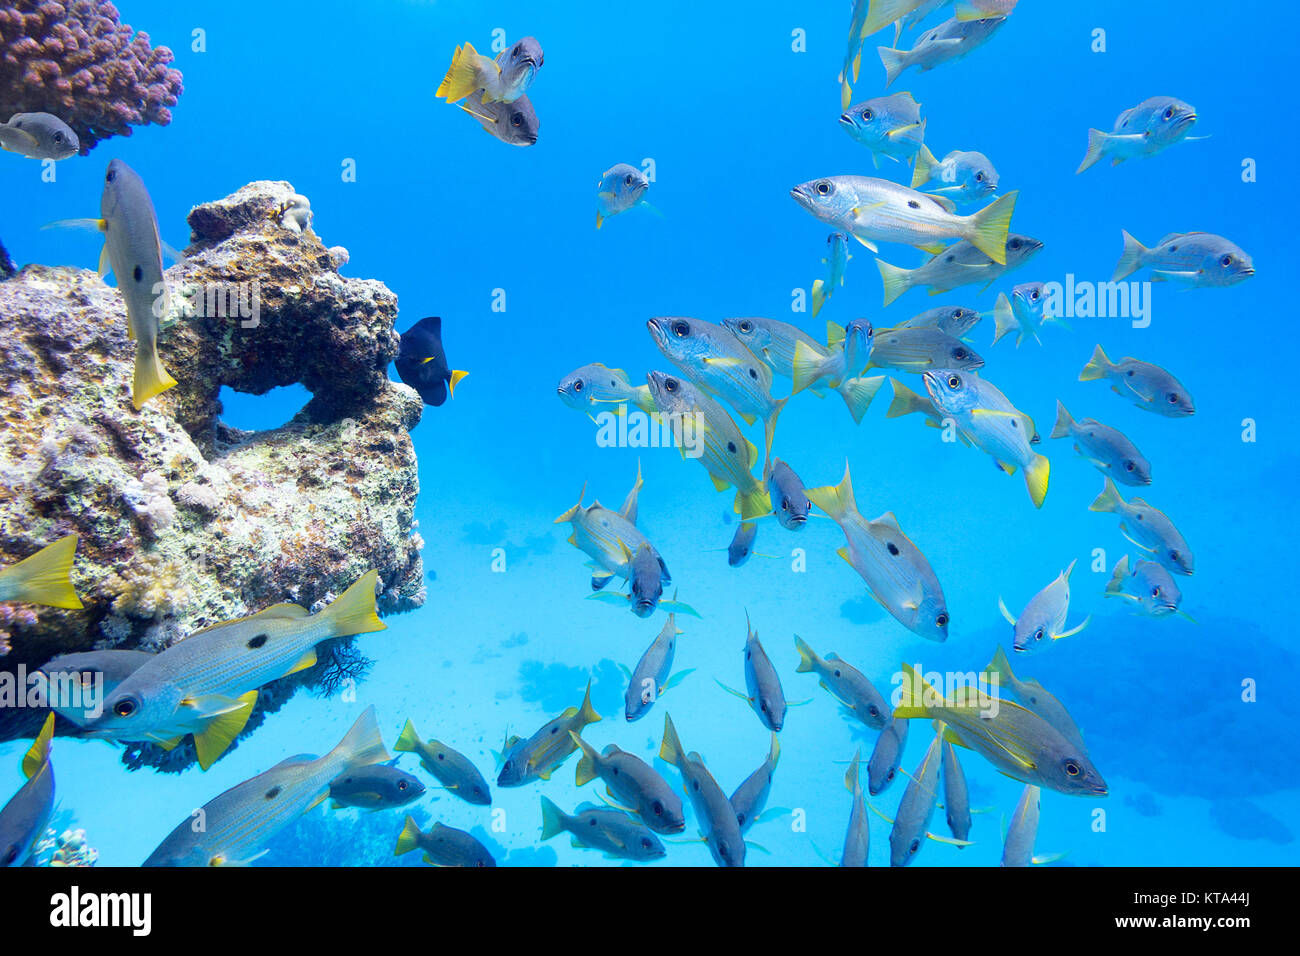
<point x="733" y="118"/>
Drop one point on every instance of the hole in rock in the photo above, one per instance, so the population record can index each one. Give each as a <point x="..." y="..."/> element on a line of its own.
<point x="257" y="413"/>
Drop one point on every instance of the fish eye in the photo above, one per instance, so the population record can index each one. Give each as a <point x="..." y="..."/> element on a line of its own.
<point x="1226" y="260"/>
<point x="837" y="672"/>
<point x="824" y="187"/>
<point x="1174" y="555"/>
<point x="867" y="115"/>
<point x="1034" y="295"/>
<point x="658" y="808"/>
<point x="645" y="843"/>
<point x="516" y="119"/>
<point x="954" y="381"/>
<point x="1173" y="398"/>
<point x="1169" y="112"/>
<point x="112" y="175"/>
<point x="1155" y="591"/>
<point x="670" y="384"/>
<point x="746" y="326"/>
<point x="126" y="707"/>
<point x="627" y="180"/>
<point x="959" y="353"/>
<point x="577" y="385"/>
<point x="402" y="785"/>
<point x="1038" y="634"/>
<point x="915" y="845"/>
<point x="1129" y="466"/>
<point x="681" y="329"/>
<point x="58" y="137"/>
<point x="10" y="856"/>
<point x="1072" y="768"/>
<point x="979" y="177"/>
<point x="1013" y="244"/>
<point x="941" y="620"/>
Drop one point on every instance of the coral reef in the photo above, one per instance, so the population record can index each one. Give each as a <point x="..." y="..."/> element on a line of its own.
<point x="68" y="848"/>
<point x="7" y="267"/>
<point x="183" y="520"/>
<point x="75" y="59"/>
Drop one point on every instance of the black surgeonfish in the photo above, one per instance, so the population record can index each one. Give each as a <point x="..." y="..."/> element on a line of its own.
<point x="422" y="363"/>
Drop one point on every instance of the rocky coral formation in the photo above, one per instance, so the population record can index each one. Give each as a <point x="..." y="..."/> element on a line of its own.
<point x="77" y="60"/>
<point x="185" y="521"/>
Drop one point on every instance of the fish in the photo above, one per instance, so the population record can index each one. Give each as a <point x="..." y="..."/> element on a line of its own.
<point x="615" y="833"/>
<point x="857" y="839"/>
<point x="839" y="366"/>
<point x="742" y="543"/>
<point x="500" y="80"/>
<point x="956" y="798"/>
<point x="133" y="251"/>
<point x="958" y="265"/>
<point x="713" y="811"/>
<point x="514" y="123"/>
<point x="375" y="787"/>
<point x="1147" y="528"/>
<point x="1147" y="386"/>
<point x="242" y="820"/>
<point x="714" y="359"/>
<point x="620" y="188"/>
<point x="845" y="683"/>
<point x="107" y="667"/>
<point x="955" y="320"/>
<point x="727" y="455"/>
<point x="980" y="9"/>
<point x="1017" y="741"/>
<point x="868" y="17"/>
<point x="206" y="685"/>
<point x="589" y="387"/>
<point x="1149" y="585"/>
<point x="889" y="126"/>
<point x="894" y="569"/>
<point x="1044" y="616"/>
<point x="949" y="41"/>
<point x="422" y="363"/>
<point x="912" y="821"/>
<point x="449" y="766"/>
<point x="1034" y="696"/>
<point x="613" y="542"/>
<point x="907" y="402"/>
<point x="992" y="424"/>
<point x="44" y="577"/>
<point x="837" y="258"/>
<point x="886" y="756"/>
<point x="24" y="817"/>
<point x="789" y="502"/>
<point x="523" y="761"/>
<point x="773" y="341"/>
<point x="762" y="683"/>
<point x="876" y="210"/>
<point x="443" y="845"/>
<point x="649" y="679"/>
<point x="918" y="349"/>
<point x="751" y="796"/>
<point x="962" y="175"/>
<point x="635" y="785"/>
<point x="1140" y="132"/>
<point x="39" y="136"/>
<point x="1197" y="260"/>
<point x="1023" y="313"/>
<point x="1018" y="848"/>
<point x="1106" y="448"/>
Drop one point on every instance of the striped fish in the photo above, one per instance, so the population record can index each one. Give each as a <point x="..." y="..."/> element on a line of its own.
<point x="238" y="823"/>
<point x="726" y="454"/>
<point x="773" y="340"/>
<point x="206" y="684"/>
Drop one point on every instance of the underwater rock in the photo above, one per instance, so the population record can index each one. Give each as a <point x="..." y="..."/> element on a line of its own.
<point x="183" y="520"/>
<point x="75" y="59"/>
<point x="7" y="267"/>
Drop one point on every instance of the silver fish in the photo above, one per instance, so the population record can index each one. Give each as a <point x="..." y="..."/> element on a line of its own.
<point x="515" y="123"/>
<point x="1151" y="127"/>
<point x="845" y="683"/>
<point x="751" y="796"/>
<point x="523" y="761"/>
<point x="962" y="175"/>
<point x="634" y="783"/>
<point x="443" y="846"/>
<point x="956" y="798"/>
<point x="1147" y="527"/>
<point x="956" y="320"/>
<point x="789" y="502"/>
<point x="1149" y="585"/>
<point x="1147" y="386"/>
<point x="772" y="340"/>
<point x="857" y="839"/>
<point x="449" y="766"/>
<point x="594" y="388"/>
<point x="912" y="821"/>
<point x="620" y="188"/>
<point x="1018" y="849"/>
<point x="713" y="811"/>
<point x="1107" y="448"/>
<point x="958" y="265"/>
<point x="39" y="136"/>
<point x="886" y="756"/>
<point x="742" y="543"/>
<point x="1193" y="259"/>
<point x="650" y="678"/>
<point x="1043" y="618"/>
<point x="616" y="834"/>
<point x="918" y="349"/>
<point x="24" y="817"/>
<point x="762" y="683"/>
<point x="949" y="41"/>
<point x="1023" y="313"/>
<point x="889" y="126"/>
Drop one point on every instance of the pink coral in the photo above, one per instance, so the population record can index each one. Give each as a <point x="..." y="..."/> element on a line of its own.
<point x="75" y="59"/>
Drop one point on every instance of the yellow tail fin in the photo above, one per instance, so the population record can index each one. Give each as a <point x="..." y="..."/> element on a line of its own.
<point x="1108" y="500"/>
<point x="807" y="656"/>
<point x="671" y="749"/>
<point x="858" y="393"/>
<point x="43" y="578"/>
<point x="807" y="366"/>
<point x="39" y="754"/>
<point x="587" y="763"/>
<point x="151" y="379"/>
<point x="353" y="611"/>
<point x="408" y="839"/>
<point x="552" y="819"/>
<point x="1130" y="260"/>
<point x="925" y="163"/>
<point x="1098" y="366"/>
<point x="1063" y="421"/>
<point x="408" y="739"/>
<point x="837" y="500"/>
<point x="456" y="376"/>
<point x="897" y="280"/>
<point x="989" y="227"/>
<point x="586" y="714"/>
<point x="818" y="295"/>
<point x="1116" y="583"/>
<point x="462" y="77"/>
<point x="363" y="744"/>
<point x="906" y="401"/>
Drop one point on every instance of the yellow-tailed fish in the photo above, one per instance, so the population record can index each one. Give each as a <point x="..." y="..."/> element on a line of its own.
<point x="1043" y="619"/>
<point x="523" y="761"/>
<point x="44" y="577"/>
<point x="618" y="835"/>
<point x="894" y="569"/>
<point x="1148" y="528"/>
<point x="449" y="766"/>
<point x="713" y="811"/>
<point x="839" y="366"/>
<point x="635" y="785"/>
<point x="238" y="823"/>
<point x="1034" y="696"/>
<point x="845" y="683"/>
<point x="443" y="846"/>
<point x="24" y="817"/>
<point x="594" y="388"/>
<point x="958" y="265"/>
<point x="750" y="798"/>
<point x="206" y="684"/>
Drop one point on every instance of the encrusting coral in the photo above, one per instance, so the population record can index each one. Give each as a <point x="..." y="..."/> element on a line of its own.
<point x="77" y="60"/>
<point x="183" y="520"/>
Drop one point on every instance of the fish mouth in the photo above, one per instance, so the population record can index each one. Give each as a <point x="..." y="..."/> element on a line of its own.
<point x="643" y="608"/>
<point x="800" y="195"/>
<point x="846" y="119"/>
<point x="800" y="520"/>
<point x="657" y="332"/>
